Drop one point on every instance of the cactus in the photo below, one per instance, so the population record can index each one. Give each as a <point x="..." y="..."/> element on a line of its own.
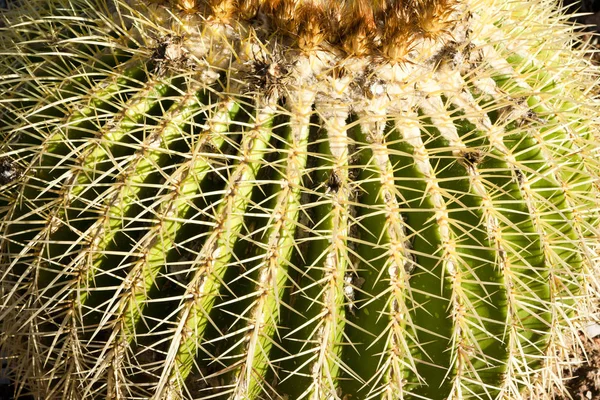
<point x="285" y="199"/>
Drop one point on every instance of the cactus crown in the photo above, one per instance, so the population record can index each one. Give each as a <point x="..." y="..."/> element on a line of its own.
<point x="295" y="199"/>
<point x="387" y="28"/>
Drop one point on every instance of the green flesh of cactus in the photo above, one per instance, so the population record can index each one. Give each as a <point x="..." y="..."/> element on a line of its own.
<point x="193" y="209"/>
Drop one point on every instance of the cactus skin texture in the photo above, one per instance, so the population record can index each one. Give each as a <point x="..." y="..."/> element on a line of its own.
<point x="295" y="200"/>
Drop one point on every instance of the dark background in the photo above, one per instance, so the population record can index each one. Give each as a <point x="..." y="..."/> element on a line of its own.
<point x="583" y="6"/>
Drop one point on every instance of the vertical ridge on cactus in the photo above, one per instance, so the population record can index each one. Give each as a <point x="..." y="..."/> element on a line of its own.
<point x="264" y="199"/>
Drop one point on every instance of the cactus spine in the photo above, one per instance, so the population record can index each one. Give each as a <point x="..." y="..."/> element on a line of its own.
<point x="270" y="199"/>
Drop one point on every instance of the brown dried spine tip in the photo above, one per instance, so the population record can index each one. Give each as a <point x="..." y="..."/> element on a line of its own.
<point x="434" y="17"/>
<point x="358" y="27"/>
<point x="267" y="77"/>
<point x="472" y="157"/>
<point x="334" y="182"/>
<point x="9" y="171"/>
<point x="188" y="6"/>
<point x="169" y="53"/>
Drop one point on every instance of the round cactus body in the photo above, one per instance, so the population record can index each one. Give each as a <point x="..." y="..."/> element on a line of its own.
<point x="294" y="199"/>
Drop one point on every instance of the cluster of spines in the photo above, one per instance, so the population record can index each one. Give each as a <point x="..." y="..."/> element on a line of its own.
<point x="384" y="28"/>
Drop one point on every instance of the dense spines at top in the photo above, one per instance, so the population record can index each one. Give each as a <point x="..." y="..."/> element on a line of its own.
<point x="199" y="203"/>
<point x="383" y="27"/>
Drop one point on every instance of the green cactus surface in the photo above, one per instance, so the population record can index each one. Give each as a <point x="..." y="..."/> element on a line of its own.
<point x="277" y="199"/>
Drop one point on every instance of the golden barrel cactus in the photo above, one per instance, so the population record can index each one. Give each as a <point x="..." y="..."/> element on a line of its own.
<point x="295" y="199"/>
